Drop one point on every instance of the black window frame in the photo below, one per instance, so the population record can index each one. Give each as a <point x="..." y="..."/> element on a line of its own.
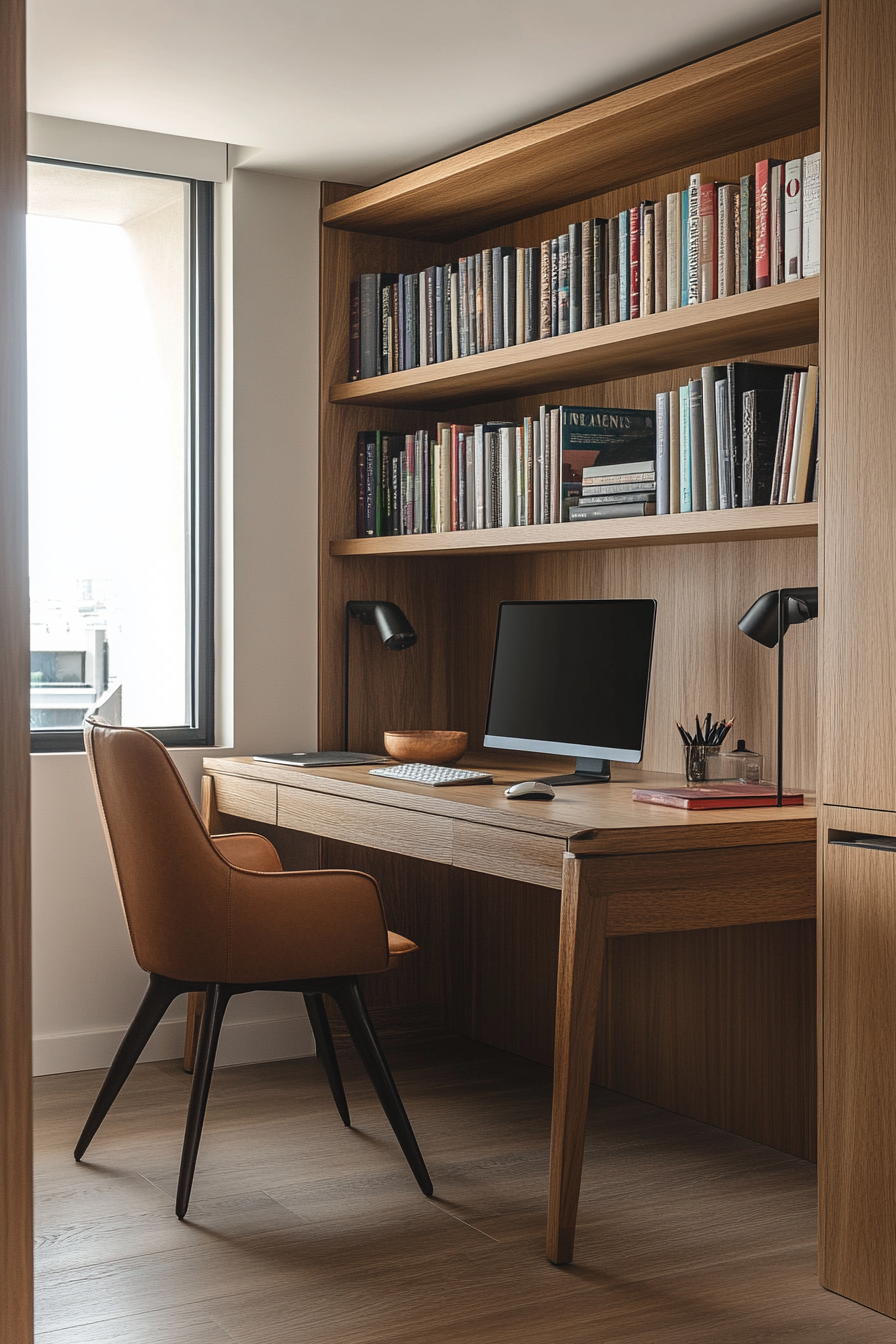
<point x="200" y="732"/>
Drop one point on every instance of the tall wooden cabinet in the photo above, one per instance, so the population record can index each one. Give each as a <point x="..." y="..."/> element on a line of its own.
<point x="857" y="779"/>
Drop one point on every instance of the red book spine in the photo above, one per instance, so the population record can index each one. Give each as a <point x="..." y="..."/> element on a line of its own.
<point x="763" y="223"/>
<point x="708" y="242"/>
<point x="634" y="291"/>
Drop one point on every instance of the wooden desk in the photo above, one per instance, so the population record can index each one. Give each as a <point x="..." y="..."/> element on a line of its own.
<point x="621" y="868"/>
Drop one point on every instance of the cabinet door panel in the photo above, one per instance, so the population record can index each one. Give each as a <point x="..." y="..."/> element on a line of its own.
<point x="858" y="330"/>
<point x="857" y="1146"/>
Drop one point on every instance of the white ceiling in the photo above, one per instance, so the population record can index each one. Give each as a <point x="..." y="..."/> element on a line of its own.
<point x="361" y="90"/>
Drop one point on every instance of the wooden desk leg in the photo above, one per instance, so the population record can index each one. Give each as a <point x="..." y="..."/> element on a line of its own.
<point x="583" y="923"/>
<point x="195" y="1008"/>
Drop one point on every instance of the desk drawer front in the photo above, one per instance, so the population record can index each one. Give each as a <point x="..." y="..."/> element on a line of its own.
<point x="251" y="798"/>
<point x="416" y="834"/>
<point x="512" y="854"/>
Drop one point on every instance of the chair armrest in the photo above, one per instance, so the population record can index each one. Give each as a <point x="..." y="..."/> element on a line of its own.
<point x="248" y="850"/>
<point x="304" y="926"/>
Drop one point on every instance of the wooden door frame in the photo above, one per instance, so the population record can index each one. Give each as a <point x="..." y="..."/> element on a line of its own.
<point x="16" y="1213"/>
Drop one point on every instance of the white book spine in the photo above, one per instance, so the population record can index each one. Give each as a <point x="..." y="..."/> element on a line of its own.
<point x="469" y="482"/>
<point x="710" y="447"/>
<point x="722" y="445"/>
<point x="445" y="482"/>
<point x="793" y="220"/>
<point x="674" y="454"/>
<point x="508" y="483"/>
<point x="479" y="475"/>
<point x="790" y="486"/>
<point x="694" y="239"/>
<point x="555" y="466"/>
<point x="776" y="227"/>
<point x="811" y="194"/>
<point x="673" y="250"/>
<point x="537" y="473"/>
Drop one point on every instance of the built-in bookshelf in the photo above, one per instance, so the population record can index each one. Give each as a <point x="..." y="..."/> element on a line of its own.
<point x="743" y="324"/>
<point x="676" y="529"/>
<point x="719" y="117"/>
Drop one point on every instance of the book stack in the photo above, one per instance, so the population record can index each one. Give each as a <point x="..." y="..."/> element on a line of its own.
<point x="707" y="241"/>
<point x="617" y="489"/>
<point x="505" y="474"/>
<point x="742" y="434"/>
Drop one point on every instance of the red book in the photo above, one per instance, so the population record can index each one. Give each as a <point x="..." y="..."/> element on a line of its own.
<point x="704" y="797"/>
<point x="634" y="282"/>
<point x="763" y="231"/>
<point x="708" y="242"/>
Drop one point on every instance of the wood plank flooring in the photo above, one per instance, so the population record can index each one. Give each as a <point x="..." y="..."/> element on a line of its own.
<point x="303" y="1231"/>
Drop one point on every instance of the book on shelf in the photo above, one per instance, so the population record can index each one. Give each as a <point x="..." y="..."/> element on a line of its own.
<point x="709" y="240"/>
<point x="590" y="513"/>
<point x="742" y="434"/>
<point x="504" y="474"/>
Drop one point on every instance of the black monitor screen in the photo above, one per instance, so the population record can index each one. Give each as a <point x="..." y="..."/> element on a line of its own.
<point x="572" y="677"/>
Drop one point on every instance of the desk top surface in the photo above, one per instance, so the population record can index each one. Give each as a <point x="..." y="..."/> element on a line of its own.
<point x="591" y="818"/>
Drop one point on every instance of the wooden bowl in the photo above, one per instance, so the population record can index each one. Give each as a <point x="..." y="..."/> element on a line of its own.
<point x="430" y="746"/>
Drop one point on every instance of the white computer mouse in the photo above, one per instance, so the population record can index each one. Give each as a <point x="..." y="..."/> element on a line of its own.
<point x="530" y="788"/>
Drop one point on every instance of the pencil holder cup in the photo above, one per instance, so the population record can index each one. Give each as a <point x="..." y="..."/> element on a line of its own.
<point x="695" y="762"/>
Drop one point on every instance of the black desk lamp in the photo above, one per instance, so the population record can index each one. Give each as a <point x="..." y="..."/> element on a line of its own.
<point x="768" y="621"/>
<point x="394" y="627"/>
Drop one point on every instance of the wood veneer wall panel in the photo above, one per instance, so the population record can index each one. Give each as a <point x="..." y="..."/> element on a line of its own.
<point x="15" y="951"/>
<point x="858" y="536"/>
<point x="701" y="660"/>
<point x="718" y="1024"/>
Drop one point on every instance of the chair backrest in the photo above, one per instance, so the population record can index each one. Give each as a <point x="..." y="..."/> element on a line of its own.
<point x="172" y="881"/>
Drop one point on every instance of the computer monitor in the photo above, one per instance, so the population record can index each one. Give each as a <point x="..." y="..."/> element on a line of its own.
<point x="571" y="679"/>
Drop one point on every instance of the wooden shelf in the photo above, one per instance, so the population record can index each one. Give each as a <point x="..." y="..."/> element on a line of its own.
<point x="677" y="529"/>
<point x="744" y="324"/>
<point x="740" y="97"/>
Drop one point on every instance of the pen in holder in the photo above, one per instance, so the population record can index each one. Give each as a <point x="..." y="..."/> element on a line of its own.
<point x="701" y="746"/>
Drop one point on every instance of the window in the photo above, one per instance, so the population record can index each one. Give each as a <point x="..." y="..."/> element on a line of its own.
<point x="120" y="421"/>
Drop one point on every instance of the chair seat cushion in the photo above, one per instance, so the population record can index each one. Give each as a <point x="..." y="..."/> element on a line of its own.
<point x="398" y="948"/>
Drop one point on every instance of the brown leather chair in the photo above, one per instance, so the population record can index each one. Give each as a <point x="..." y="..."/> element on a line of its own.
<point x="220" y="916"/>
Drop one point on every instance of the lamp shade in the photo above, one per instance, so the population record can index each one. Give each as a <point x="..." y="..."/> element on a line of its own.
<point x="761" y="621"/>
<point x="395" y="629"/>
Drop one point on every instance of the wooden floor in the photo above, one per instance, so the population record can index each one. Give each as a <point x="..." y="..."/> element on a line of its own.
<point x="302" y="1230"/>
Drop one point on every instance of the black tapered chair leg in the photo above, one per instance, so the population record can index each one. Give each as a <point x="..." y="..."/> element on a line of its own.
<point x="357" y="1019"/>
<point x="326" y="1053"/>
<point x="217" y="998"/>
<point x="160" y="994"/>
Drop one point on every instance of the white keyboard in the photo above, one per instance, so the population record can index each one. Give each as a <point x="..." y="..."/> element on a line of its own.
<point x="436" y="775"/>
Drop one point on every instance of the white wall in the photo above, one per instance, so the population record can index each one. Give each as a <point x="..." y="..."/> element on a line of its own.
<point x="86" y="983"/>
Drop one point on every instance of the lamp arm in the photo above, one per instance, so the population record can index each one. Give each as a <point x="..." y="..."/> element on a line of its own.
<point x="345" y="643"/>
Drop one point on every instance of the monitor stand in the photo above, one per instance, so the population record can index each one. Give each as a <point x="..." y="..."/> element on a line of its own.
<point x="589" y="770"/>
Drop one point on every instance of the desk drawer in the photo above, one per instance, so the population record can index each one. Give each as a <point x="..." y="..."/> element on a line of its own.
<point x="512" y="854"/>
<point x="251" y="798"/>
<point x="417" y="834"/>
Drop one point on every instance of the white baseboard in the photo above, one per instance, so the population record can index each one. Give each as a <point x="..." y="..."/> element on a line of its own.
<point x="240" y="1043"/>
